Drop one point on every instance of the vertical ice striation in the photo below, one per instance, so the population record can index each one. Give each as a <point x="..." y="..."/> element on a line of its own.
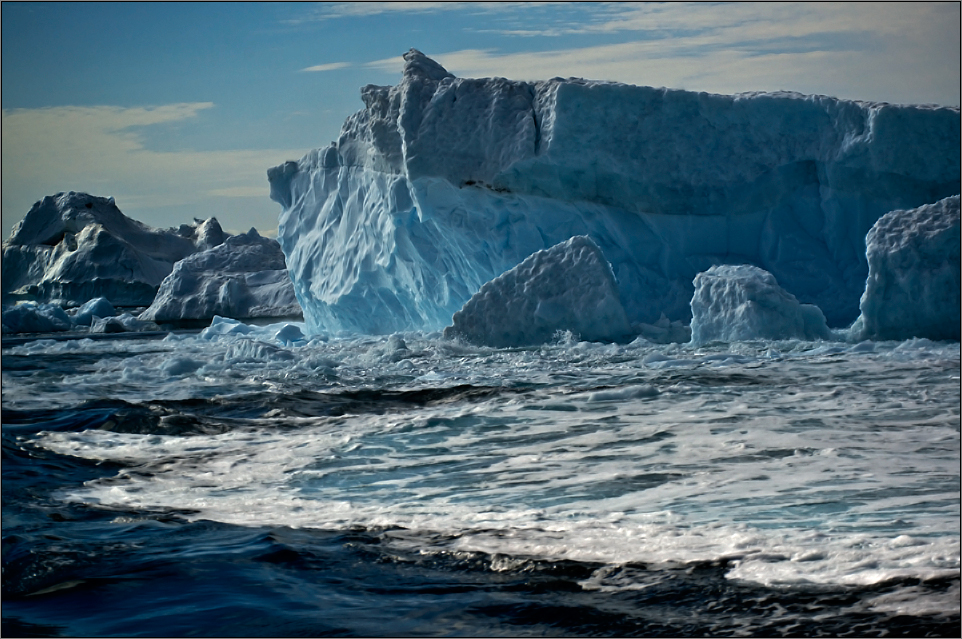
<point x="441" y="184"/>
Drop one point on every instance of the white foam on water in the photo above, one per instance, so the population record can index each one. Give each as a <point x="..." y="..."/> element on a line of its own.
<point x="800" y="462"/>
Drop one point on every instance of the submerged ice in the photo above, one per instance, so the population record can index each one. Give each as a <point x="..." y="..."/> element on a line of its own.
<point x="441" y="184"/>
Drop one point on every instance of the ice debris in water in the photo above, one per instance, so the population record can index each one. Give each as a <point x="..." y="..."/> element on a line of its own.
<point x="742" y="302"/>
<point x="569" y="287"/>
<point x="123" y="323"/>
<point x="913" y="282"/>
<point x="244" y="277"/>
<point x="97" y="308"/>
<point x="441" y="184"/>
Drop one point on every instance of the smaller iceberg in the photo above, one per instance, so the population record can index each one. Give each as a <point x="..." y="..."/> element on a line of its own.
<point x="913" y="281"/>
<point x="742" y="302"/>
<point x="72" y="247"/>
<point x="568" y="287"/>
<point x="31" y="317"/>
<point x="89" y="312"/>
<point x="244" y="277"/>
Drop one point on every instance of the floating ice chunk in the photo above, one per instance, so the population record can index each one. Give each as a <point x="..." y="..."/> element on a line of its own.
<point x="441" y="184"/>
<point x="734" y="303"/>
<point x="97" y="307"/>
<point x="177" y="366"/>
<point x="31" y="317"/>
<point x="913" y="282"/>
<point x="623" y="394"/>
<point x="124" y="323"/>
<point x="246" y="351"/>
<point x="569" y="287"/>
<point x="243" y="277"/>
<point x="73" y="247"/>
<point x="225" y="326"/>
<point x="289" y="334"/>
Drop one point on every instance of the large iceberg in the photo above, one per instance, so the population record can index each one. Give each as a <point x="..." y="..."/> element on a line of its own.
<point x="737" y="303"/>
<point x="441" y="184"/>
<point x="569" y="287"/>
<point x="244" y="277"/>
<point x="913" y="285"/>
<point x="74" y="247"/>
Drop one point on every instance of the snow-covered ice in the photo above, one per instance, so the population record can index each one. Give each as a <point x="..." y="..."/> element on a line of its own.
<point x="569" y="287"/>
<point x="742" y="302"/>
<point x="244" y="277"/>
<point x="73" y="247"/>
<point x="441" y="184"/>
<point x="913" y="282"/>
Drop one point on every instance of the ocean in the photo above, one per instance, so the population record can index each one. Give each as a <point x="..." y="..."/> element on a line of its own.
<point x="230" y="482"/>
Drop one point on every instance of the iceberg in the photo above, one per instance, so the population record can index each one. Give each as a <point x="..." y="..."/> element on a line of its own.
<point x="568" y="287"/>
<point x="74" y="247"/>
<point x="913" y="281"/>
<point x="441" y="184"/>
<point x="735" y="303"/>
<point x="31" y="317"/>
<point x="243" y="277"/>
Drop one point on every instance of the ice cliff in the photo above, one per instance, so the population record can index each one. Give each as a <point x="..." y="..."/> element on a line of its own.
<point x="441" y="184"/>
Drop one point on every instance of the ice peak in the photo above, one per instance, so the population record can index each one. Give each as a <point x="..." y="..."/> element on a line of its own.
<point x="418" y="64"/>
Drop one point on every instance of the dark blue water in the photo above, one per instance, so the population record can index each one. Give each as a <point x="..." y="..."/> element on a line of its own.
<point x="72" y="569"/>
<point x="79" y="568"/>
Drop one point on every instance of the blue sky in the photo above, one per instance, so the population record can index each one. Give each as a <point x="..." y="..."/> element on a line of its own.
<point x="177" y="110"/>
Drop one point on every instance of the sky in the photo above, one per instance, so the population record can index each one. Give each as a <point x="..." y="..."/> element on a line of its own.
<point x="177" y="110"/>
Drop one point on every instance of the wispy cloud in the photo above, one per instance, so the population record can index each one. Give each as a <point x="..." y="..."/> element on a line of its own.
<point x="738" y="20"/>
<point x="335" y="10"/>
<point x="330" y="66"/>
<point x="101" y="150"/>
<point x="848" y="50"/>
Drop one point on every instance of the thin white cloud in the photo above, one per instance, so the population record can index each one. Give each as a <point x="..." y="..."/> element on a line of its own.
<point x="330" y="66"/>
<point x="391" y="65"/>
<point x="335" y="10"/>
<point x="752" y="19"/>
<point x="99" y="150"/>
<point x="239" y="191"/>
<point x="861" y="74"/>
<point x="896" y="52"/>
